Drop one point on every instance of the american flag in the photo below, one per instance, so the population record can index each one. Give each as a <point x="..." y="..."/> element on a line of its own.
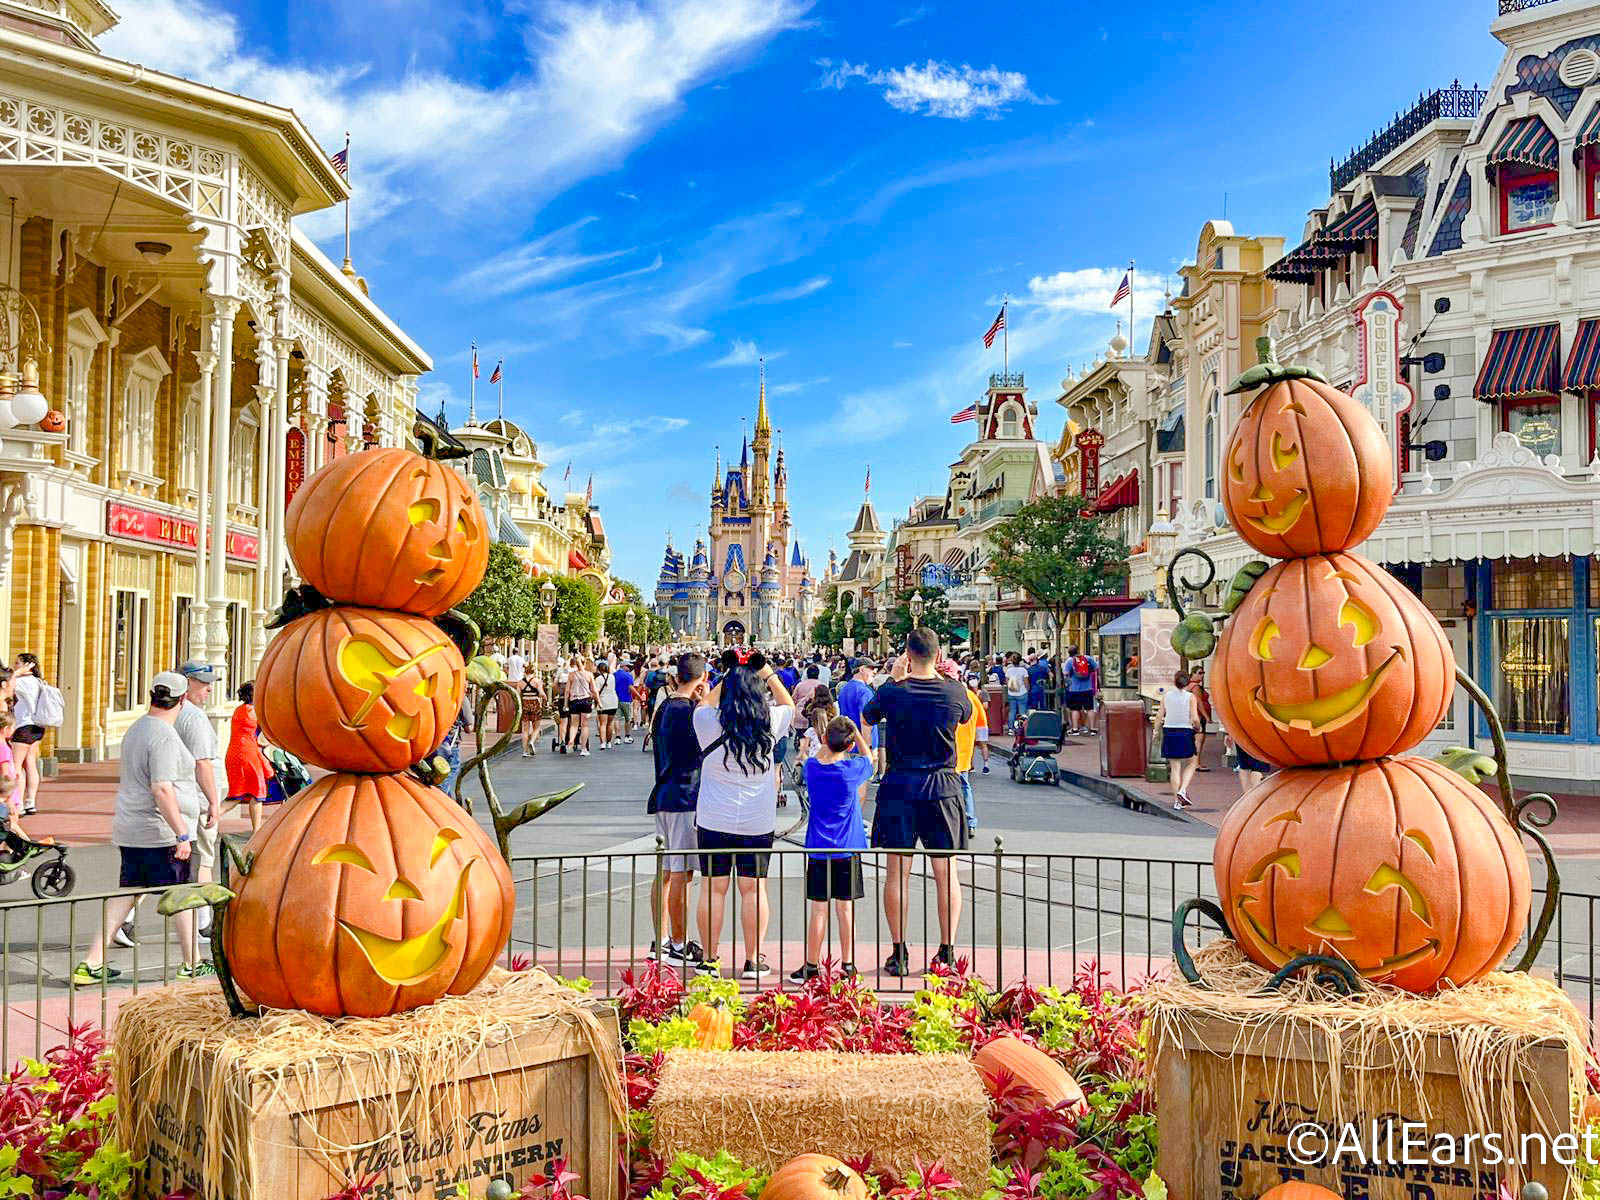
<point x="1124" y="290"/>
<point x="341" y="161"/>
<point x="868" y="488"/>
<point x="495" y="375"/>
<point x="566" y="477"/>
<point x="999" y="324"/>
<point x="588" y="492"/>
<point x="969" y="413"/>
<point x="474" y="360"/>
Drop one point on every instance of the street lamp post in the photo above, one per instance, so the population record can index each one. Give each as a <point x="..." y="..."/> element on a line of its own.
<point x="918" y="604"/>
<point x="628" y="619"/>
<point x="849" y="623"/>
<point x="1159" y="542"/>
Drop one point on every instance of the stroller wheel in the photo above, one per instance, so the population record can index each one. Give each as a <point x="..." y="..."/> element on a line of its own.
<point x="53" y="879"/>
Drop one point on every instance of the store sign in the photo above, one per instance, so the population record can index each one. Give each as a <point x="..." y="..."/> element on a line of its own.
<point x="937" y="575"/>
<point x="162" y="529"/>
<point x="1158" y="661"/>
<point x="294" y="473"/>
<point x="1089" y="444"/>
<point x="547" y="646"/>
<point x="1380" y="382"/>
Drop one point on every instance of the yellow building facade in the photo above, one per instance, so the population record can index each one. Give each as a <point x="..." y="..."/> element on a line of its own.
<point x="199" y="354"/>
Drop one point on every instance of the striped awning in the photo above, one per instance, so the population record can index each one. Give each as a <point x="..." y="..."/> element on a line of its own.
<point x="1528" y="141"/>
<point x="1350" y="231"/>
<point x="1582" y="373"/>
<point x="1589" y="134"/>
<point x="1305" y="262"/>
<point x="1520" y="362"/>
<point x="1124" y="493"/>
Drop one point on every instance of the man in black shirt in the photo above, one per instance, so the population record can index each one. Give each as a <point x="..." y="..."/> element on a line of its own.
<point x="920" y="798"/>
<point x="672" y="801"/>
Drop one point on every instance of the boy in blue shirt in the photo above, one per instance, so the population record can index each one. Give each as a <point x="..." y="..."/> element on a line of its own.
<point x="835" y="838"/>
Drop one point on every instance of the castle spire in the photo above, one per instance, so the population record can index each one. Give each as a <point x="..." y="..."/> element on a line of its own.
<point x="763" y="425"/>
<point x="716" y="477"/>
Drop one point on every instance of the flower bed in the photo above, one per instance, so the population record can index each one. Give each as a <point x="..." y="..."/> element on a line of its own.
<point x="55" y="1114"/>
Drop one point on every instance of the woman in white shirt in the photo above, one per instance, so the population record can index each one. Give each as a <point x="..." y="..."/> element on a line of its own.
<point x="26" y="686"/>
<point x="736" y="814"/>
<point x="1178" y="719"/>
<point x="580" y="703"/>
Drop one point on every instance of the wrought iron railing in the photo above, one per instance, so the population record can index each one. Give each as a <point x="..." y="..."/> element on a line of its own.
<point x="1443" y="104"/>
<point x="1005" y="380"/>
<point x="1039" y="916"/>
<point x="1511" y="6"/>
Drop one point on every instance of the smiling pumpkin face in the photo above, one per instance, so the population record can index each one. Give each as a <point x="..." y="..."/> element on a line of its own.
<point x="1374" y="863"/>
<point x="369" y="895"/>
<point x="390" y="529"/>
<point x="1331" y="659"/>
<point x="1307" y="471"/>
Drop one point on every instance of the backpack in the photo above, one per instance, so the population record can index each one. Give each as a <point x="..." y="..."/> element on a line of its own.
<point x="49" y="709"/>
<point x="1081" y="668"/>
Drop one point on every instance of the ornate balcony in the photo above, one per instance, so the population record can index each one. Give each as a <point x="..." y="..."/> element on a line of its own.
<point x="1012" y="380"/>
<point x="1443" y="104"/>
<point x="1513" y="6"/>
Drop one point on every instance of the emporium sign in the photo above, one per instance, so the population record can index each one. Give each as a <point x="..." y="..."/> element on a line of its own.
<point x="1381" y="384"/>
<point x="145" y="525"/>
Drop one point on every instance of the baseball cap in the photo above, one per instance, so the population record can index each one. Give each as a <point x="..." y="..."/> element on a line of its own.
<point x="195" y="670"/>
<point x="170" y="682"/>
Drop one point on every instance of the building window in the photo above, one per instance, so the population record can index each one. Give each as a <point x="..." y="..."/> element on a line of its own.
<point x="1213" y="419"/>
<point x="1591" y="180"/>
<point x="182" y="627"/>
<point x="145" y="371"/>
<point x="190" y="430"/>
<point x="1010" y="424"/>
<point x="1536" y="421"/>
<point x="238" y="643"/>
<point x="242" y="459"/>
<point x="79" y="361"/>
<point x="1535" y="611"/>
<point x="1527" y="199"/>
<point x="130" y="632"/>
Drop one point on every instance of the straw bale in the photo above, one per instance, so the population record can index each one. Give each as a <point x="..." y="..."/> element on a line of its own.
<point x="244" y="1107"/>
<point x="1502" y="1055"/>
<point x="765" y="1108"/>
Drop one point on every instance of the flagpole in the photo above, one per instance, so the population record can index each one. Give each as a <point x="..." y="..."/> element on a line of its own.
<point x="1130" y="308"/>
<point x="1005" y="337"/>
<point x="347" y="264"/>
<point x="472" y="406"/>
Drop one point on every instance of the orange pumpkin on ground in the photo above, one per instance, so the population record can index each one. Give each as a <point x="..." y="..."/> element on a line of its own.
<point x="368" y="895"/>
<point x="389" y="529"/>
<point x="358" y="689"/>
<point x="815" y="1177"/>
<point x="1399" y="867"/>
<point x="1331" y="659"/>
<point x="715" y="1023"/>
<point x="1030" y="1068"/>
<point x="1299" y="1189"/>
<point x="1307" y="470"/>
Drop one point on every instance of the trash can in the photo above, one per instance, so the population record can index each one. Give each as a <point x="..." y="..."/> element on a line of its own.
<point x="507" y="711"/>
<point x="1124" y="735"/>
<point x="994" y="700"/>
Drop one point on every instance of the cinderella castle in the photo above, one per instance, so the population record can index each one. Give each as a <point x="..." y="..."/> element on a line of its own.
<point x="752" y="584"/>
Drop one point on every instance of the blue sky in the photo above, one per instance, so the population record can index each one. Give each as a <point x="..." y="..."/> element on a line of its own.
<point x="630" y="200"/>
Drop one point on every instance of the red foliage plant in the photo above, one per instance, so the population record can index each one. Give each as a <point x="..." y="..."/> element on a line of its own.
<point x="831" y="1012"/>
<point x="652" y="994"/>
<point x="55" y="1127"/>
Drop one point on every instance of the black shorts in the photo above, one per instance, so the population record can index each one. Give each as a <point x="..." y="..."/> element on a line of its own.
<point x="580" y="707"/>
<point x="1249" y="762"/>
<point x="752" y="861"/>
<point x="27" y="735"/>
<point x="920" y="807"/>
<point x="1177" y="743"/>
<point x="834" y="878"/>
<point x="1080" y="701"/>
<point x="153" y="866"/>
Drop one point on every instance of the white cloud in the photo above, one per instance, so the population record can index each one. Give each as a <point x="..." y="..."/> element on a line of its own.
<point x="627" y="195"/>
<point x="597" y="81"/>
<point x="938" y="89"/>
<point x="542" y="260"/>
<point x="785" y="389"/>
<point x="797" y="292"/>
<point x="902" y="345"/>
<point x="922" y="10"/>
<point x="678" y="337"/>
<point x="1089" y="290"/>
<point x="744" y="353"/>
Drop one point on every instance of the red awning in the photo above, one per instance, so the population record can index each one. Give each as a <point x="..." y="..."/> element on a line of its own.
<point x="1124" y="493"/>
<point x="577" y="561"/>
<point x="1111" y="603"/>
<point x="1520" y="362"/>
<point x="1583" y="364"/>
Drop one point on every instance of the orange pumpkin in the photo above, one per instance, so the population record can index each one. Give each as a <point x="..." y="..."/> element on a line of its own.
<point x="1590" y="1113"/>
<point x="1030" y="1068"/>
<point x="715" y="1023"/>
<point x="1331" y="659"/>
<point x="54" y="421"/>
<point x="390" y="529"/>
<point x="356" y="689"/>
<point x="367" y="895"/>
<point x="1299" y="1189"/>
<point x="815" y="1177"/>
<point x="1307" y="471"/>
<point x="1374" y="863"/>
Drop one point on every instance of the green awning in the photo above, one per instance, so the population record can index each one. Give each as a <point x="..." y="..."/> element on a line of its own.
<point x="1589" y="135"/>
<point x="1527" y="141"/>
<point x="959" y="632"/>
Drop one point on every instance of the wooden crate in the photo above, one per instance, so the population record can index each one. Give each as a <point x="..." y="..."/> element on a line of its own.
<point x="533" y="1095"/>
<point x="1229" y="1095"/>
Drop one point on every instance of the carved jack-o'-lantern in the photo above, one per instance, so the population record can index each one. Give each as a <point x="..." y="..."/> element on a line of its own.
<point x="1374" y="863"/>
<point x="367" y="895"/>
<point x="358" y="689"/>
<point x="1307" y="470"/>
<point x="1331" y="659"/>
<point x="390" y="529"/>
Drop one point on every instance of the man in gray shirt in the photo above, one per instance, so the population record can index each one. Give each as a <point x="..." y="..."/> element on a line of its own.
<point x="150" y="828"/>
<point x="200" y="738"/>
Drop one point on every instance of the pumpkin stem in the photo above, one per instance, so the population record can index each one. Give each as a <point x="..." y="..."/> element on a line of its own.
<point x="837" y="1180"/>
<point x="1269" y="370"/>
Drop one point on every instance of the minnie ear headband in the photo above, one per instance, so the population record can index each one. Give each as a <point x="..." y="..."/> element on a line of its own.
<point x="949" y="669"/>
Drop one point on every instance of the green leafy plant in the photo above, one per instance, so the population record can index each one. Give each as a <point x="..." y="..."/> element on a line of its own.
<point x="674" y="1033"/>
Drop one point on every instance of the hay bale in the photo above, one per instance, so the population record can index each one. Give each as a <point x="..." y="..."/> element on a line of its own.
<point x="1236" y="1069"/>
<point x="290" y="1106"/>
<point x="765" y="1108"/>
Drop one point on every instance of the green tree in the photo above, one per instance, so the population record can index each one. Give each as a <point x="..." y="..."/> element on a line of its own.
<point x="935" y="613"/>
<point x="660" y="630"/>
<point x="1058" y="554"/>
<point x="614" y="621"/>
<point x="506" y="603"/>
<point x="577" y="610"/>
<point x="630" y="590"/>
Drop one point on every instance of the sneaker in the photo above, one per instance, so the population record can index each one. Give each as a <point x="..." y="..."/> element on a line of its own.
<point x="1181" y="802"/>
<point x="985" y="768"/>
<point x="899" y="962"/>
<point x="124" y="936"/>
<point x="583" y="754"/>
<point x="709" y="966"/>
<point x="848" y="970"/>
<point x="628" y="740"/>
<point x="200" y="970"/>
<point x="755" y="968"/>
<point x="650" y="955"/>
<point x="687" y="955"/>
<point x="804" y="974"/>
<point x="83" y="975"/>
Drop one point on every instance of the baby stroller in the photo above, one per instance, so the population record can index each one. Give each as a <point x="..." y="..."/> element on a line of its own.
<point x="51" y="876"/>
<point x="1039" y="740"/>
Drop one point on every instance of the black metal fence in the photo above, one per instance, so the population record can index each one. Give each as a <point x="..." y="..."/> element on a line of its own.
<point x="1039" y="916"/>
<point x="1452" y="103"/>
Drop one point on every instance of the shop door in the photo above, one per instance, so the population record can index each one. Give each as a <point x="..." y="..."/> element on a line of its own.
<point x="1456" y="728"/>
<point x="69" y="741"/>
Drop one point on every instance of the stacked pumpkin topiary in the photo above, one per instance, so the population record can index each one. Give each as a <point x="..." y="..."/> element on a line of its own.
<point x="1331" y="668"/>
<point x="370" y="893"/>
